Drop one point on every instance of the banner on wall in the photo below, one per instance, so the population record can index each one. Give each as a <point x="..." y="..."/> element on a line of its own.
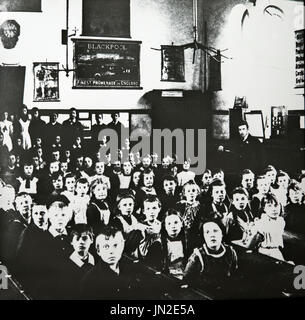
<point x="299" y="59"/>
<point x="20" y="5"/>
<point x="172" y="63"/>
<point x="46" y="86"/>
<point x="106" y="64"/>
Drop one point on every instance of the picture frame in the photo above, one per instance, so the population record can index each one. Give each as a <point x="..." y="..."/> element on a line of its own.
<point x="279" y="121"/>
<point x="299" y="59"/>
<point x="172" y="63"/>
<point x="46" y="83"/>
<point x="140" y="124"/>
<point x="20" y="5"/>
<point x="106" y="64"/>
<point x="106" y="18"/>
<point x="255" y="121"/>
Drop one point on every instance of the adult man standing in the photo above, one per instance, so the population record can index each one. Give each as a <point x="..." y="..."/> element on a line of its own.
<point x="72" y="128"/>
<point x="53" y="129"/>
<point x="37" y="126"/>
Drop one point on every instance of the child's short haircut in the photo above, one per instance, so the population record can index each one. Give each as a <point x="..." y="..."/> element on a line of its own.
<point x="269" y="198"/>
<point x="57" y="162"/>
<point x="217" y="183"/>
<point x="240" y="190"/>
<point x="169" y="177"/>
<point x="282" y="173"/>
<point x="56" y="175"/>
<point x="64" y="202"/>
<point x="70" y="175"/>
<point x="294" y="185"/>
<point x="146" y="156"/>
<point x="146" y="171"/>
<point x="96" y="182"/>
<point x="64" y="160"/>
<point x="23" y="194"/>
<point x="34" y="154"/>
<point x="246" y="171"/>
<point x="152" y="198"/>
<point x="260" y="177"/>
<point x="269" y="168"/>
<point x="82" y="181"/>
<point x="190" y="183"/>
<point x="218" y="170"/>
<point x="55" y="149"/>
<point x="220" y="225"/>
<point x="124" y="195"/>
<point x="99" y="161"/>
<point x="108" y="231"/>
<point x="172" y="211"/>
<point x="27" y="162"/>
<point x="207" y="171"/>
<point x="79" y="229"/>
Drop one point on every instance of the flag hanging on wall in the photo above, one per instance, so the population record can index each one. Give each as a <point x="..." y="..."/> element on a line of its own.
<point x="20" y="5"/>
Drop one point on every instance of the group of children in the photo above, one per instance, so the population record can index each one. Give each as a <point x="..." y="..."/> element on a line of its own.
<point x="70" y="224"/>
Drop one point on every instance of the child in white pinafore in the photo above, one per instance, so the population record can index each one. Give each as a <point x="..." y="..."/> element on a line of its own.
<point x="271" y="225"/>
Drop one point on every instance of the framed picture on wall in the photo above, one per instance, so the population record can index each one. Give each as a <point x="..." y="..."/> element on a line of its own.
<point x="106" y="18"/>
<point x="140" y="125"/>
<point x="299" y="58"/>
<point x="46" y="87"/>
<point x="106" y="64"/>
<point x="279" y="120"/>
<point x="172" y="64"/>
<point x="256" y="123"/>
<point x="20" y="5"/>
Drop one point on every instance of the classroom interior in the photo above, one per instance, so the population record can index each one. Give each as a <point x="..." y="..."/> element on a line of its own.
<point x="202" y="64"/>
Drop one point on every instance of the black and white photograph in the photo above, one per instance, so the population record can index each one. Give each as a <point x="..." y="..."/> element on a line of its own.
<point x="188" y="188"/>
<point x="46" y="86"/>
<point x="172" y="65"/>
<point x="107" y="64"/>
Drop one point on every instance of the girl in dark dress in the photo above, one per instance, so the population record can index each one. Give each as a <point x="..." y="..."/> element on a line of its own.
<point x="98" y="211"/>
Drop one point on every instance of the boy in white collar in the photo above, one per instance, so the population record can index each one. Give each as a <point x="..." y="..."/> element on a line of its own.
<point x="81" y="239"/>
<point x="80" y="262"/>
<point x="59" y="214"/>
